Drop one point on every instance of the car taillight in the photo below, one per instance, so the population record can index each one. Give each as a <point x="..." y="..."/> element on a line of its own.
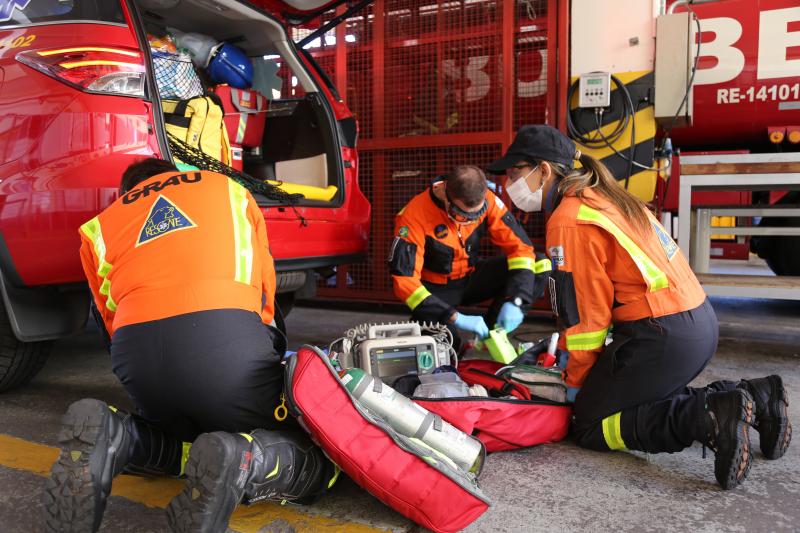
<point x="94" y="69"/>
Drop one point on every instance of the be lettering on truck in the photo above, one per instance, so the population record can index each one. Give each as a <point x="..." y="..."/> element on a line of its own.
<point x="748" y="76"/>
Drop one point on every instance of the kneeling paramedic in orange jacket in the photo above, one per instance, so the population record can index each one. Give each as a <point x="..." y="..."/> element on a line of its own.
<point x="616" y="267"/>
<point x="180" y="271"/>
<point x="434" y="259"/>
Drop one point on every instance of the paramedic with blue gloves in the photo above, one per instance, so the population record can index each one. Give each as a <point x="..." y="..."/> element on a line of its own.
<point x="434" y="258"/>
<point x="616" y="266"/>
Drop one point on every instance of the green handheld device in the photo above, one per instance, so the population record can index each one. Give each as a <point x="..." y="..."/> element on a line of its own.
<point x="500" y="348"/>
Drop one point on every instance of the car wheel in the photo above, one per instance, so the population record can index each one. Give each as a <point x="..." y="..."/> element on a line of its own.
<point x="19" y="361"/>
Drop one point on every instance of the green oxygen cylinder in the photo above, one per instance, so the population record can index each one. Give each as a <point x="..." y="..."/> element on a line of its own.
<point x="413" y="420"/>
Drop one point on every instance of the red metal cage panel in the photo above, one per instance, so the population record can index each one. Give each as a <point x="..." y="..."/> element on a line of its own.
<point x="434" y="84"/>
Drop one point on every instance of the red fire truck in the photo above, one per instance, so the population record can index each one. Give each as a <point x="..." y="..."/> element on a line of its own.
<point x="746" y="115"/>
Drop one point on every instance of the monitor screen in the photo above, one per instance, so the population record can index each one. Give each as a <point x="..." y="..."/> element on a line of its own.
<point x="395" y="361"/>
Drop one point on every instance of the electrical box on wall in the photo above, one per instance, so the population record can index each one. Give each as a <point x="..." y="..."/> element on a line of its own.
<point x="594" y="89"/>
<point x="675" y="50"/>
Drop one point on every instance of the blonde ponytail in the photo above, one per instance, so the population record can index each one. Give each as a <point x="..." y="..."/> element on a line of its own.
<point x="595" y="175"/>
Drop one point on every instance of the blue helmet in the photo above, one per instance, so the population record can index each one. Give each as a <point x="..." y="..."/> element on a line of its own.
<point x="230" y="65"/>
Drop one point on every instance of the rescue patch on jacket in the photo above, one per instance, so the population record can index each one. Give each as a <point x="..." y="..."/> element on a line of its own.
<point x="557" y="255"/>
<point x="669" y="246"/>
<point x="403" y="231"/>
<point x="440" y="231"/>
<point x="164" y="217"/>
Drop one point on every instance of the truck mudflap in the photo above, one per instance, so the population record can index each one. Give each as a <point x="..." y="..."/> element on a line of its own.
<point x="402" y="474"/>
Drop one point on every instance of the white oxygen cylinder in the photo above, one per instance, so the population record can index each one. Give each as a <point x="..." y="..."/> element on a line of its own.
<point x="413" y="420"/>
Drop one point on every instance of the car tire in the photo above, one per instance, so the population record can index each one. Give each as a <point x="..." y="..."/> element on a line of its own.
<point x="285" y="301"/>
<point x="19" y="361"/>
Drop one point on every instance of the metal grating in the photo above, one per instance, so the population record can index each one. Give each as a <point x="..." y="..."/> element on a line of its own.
<point x="431" y="88"/>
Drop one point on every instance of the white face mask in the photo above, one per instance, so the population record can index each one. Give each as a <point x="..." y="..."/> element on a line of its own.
<point x="522" y="195"/>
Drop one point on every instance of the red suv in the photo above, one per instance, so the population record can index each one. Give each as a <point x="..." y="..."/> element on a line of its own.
<point x="79" y="103"/>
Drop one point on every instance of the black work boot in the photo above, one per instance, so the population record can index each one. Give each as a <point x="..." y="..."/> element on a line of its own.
<point x="729" y="416"/>
<point x="291" y="469"/>
<point x="94" y="448"/>
<point x="772" y="419"/>
<point x="225" y="468"/>
<point x="98" y="443"/>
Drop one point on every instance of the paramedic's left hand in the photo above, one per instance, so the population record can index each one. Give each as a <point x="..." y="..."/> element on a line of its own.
<point x="571" y="393"/>
<point x="510" y="317"/>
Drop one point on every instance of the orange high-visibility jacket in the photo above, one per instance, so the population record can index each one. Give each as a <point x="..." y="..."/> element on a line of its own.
<point x="175" y="244"/>
<point x="430" y="247"/>
<point x="605" y="271"/>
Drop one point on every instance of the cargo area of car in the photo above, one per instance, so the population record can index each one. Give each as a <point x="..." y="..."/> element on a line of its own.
<point x="298" y="149"/>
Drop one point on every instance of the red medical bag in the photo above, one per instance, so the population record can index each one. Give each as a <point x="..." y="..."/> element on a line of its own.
<point x="502" y="424"/>
<point x="390" y="466"/>
<point x="245" y="115"/>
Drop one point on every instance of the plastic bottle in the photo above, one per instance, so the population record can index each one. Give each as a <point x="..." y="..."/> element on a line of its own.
<point x="413" y="420"/>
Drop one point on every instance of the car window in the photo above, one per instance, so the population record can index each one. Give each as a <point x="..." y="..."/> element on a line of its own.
<point x="23" y="12"/>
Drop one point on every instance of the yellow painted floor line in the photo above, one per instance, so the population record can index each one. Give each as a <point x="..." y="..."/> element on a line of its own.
<point x="37" y="458"/>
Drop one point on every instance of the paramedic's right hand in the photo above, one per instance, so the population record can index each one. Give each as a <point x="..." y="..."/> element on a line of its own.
<point x="510" y="317"/>
<point x="472" y="323"/>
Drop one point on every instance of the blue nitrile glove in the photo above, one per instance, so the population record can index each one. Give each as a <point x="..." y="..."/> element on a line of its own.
<point x="571" y="393"/>
<point x="510" y="317"/>
<point x="472" y="323"/>
<point x="563" y="358"/>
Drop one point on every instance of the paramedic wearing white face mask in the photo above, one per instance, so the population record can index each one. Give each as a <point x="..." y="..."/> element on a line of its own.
<point x="614" y="266"/>
<point x="526" y="186"/>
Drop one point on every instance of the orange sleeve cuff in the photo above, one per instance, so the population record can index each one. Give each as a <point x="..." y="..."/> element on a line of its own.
<point x="579" y="365"/>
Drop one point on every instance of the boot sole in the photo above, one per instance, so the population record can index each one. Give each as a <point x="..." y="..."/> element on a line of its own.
<point x="73" y="501"/>
<point x="775" y="434"/>
<point x="730" y="478"/>
<point x="207" y="500"/>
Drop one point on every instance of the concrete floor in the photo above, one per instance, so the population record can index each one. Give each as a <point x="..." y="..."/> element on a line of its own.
<point x="546" y="488"/>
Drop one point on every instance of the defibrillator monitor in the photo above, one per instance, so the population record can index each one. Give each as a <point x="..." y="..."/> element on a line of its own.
<point x="391" y="351"/>
<point x="396" y="357"/>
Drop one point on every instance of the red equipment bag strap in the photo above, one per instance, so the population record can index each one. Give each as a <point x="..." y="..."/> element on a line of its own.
<point x="480" y="372"/>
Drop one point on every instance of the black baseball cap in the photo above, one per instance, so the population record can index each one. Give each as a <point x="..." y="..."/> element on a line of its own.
<point x="537" y="142"/>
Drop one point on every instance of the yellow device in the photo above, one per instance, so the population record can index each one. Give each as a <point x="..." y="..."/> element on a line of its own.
<point x="500" y="348"/>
